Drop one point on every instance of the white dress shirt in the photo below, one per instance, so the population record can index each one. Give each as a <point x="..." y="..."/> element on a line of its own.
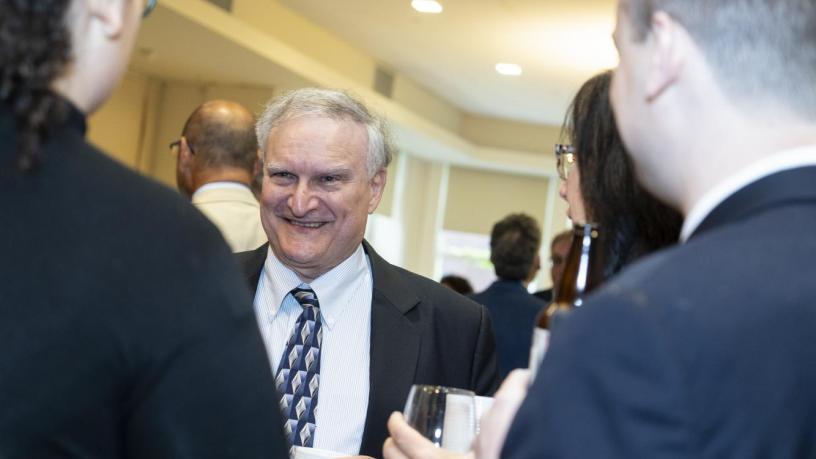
<point x="344" y="294"/>
<point x="778" y="162"/>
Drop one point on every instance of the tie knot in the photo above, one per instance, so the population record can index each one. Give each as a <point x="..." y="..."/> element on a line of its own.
<point x="306" y="297"/>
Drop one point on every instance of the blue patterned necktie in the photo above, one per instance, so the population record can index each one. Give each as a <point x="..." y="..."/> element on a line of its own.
<point x="299" y="371"/>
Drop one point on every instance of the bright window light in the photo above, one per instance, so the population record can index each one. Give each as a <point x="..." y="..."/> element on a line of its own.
<point x="427" y="6"/>
<point x="508" y="69"/>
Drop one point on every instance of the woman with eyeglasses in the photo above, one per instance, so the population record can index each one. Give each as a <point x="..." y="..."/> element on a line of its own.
<point x="598" y="182"/>
<point x="125" y="328"/>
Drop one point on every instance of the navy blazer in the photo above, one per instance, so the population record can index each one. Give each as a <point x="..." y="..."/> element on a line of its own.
<point x="421" y="333"/>
<point x="513" y="312"/>
<point x="704" y="350"/>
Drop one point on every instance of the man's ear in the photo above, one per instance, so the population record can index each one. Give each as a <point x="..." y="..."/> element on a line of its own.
<point x="256" y="168"/>
<point x="109" y="14"/>
<point x="185" y="153"/>
<point x="377" y="184"/>
<point x="668" y="54"/>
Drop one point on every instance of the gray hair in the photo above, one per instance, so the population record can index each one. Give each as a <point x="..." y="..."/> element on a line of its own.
<point x="762" y="51"/>
<point x="334" y="104"/>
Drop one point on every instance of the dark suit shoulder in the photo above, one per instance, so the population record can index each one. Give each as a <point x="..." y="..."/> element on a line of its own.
<point x="684" y="347"/>
<point x="434" y="295"/>
<point x="251" y="263"/>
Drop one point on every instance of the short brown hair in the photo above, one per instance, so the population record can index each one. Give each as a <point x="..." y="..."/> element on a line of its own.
<point x="514" y="244"/>
<point x="762" y="51"/>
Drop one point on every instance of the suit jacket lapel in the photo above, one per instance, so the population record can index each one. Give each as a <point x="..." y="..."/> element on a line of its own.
<point x="394" y="349"/>
<point x="252" y="264"/>
<point x="768" y="192"/>
<point x="395" y="342"/>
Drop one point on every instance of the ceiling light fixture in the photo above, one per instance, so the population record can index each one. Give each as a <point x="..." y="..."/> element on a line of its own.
<point x="427" y="6"/>
<point x="508" y="69"/>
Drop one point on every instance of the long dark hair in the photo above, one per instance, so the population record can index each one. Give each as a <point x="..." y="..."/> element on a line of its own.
<point x="34" y="50"/>
<point x="632" y="222"/>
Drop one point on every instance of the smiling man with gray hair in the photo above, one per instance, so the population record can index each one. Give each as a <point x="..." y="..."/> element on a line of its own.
<point x="344" y="329"/>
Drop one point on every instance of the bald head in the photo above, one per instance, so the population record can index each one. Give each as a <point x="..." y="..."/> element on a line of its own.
<point x="222" y="134"/>
<point x="219" y="143"/>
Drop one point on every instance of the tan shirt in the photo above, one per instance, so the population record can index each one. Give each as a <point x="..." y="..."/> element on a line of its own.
<point x="233" y="209"/>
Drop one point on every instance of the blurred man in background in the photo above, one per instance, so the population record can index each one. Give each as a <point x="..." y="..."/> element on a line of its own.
<point x="514" y="244"/>
<point x="559" y="249"/>
<point x="217" y="157"/>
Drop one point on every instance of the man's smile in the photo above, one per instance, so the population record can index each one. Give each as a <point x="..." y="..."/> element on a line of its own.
<point x="303" y="224"/>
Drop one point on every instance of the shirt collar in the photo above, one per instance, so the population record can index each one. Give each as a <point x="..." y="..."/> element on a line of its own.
<point x="221" y="186"/>
<point x="778" y="162"/>
<point x="329" y="287"/>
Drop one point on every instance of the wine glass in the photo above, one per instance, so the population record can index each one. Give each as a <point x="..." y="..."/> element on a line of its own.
<point x="444" y="415"/>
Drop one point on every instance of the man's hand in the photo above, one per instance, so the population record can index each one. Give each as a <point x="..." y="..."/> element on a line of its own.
<point x="496" y="422"/>
<point x="407" y="443"/>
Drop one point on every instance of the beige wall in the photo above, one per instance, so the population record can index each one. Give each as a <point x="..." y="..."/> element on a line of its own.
<point x="118" y="127"/>
<point x="294" y="30"/>
<point x="477" y="199"/>
<point x="423" y="102"/>
<point x="178" y="100"/>
<point x="507" y="134"/>
<point x="423" y="204"/>
<point x="329" y="49"/>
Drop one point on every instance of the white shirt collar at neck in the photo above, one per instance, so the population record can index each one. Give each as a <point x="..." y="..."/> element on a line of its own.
<point x="331" y="285"/>
<point x="221" y="186"/>
<point x="778" y="162"/>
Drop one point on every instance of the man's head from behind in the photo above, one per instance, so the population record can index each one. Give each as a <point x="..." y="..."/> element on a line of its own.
<point x="218" y="143"/>
<point x="514" y="244"/>
<point x="324" y="158"/>
<point x="688" y="65"/>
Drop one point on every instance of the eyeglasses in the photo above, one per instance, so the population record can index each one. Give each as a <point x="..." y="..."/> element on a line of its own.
<point x="149" y="6"/>
<point x="564" y="159"/>
<point x="175" y="146"/>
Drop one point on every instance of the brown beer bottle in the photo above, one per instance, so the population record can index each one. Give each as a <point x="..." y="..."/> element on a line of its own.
<point x="583" y="271"/>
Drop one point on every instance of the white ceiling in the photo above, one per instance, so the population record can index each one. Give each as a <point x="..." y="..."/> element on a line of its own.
<point x="559" y="44"/>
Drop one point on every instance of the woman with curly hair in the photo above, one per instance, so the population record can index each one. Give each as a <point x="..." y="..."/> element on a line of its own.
<point x="124" y="329"/>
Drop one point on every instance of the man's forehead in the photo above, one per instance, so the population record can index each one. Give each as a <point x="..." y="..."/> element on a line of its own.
<point x="307" y="129"/>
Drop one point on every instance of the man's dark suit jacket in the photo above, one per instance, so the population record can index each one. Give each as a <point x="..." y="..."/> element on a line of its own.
<point x="701" y="351"/>
<point x="512" y="311"/>
<point x="421" y="333"/>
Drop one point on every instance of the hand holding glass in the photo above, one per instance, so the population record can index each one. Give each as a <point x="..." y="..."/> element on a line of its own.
<point x="444" y="415"/>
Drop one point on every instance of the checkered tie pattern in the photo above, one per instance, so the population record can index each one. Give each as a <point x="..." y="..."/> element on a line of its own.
<point x="298" y="373"/>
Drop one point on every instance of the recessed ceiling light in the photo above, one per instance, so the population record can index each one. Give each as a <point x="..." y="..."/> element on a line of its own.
<point x="508" y="69"/>
<point x="427" y="6"/>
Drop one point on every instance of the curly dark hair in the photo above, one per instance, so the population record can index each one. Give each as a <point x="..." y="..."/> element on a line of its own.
<point x="34" y="50"/>
<point x="632" y="222"/>
<point x="514" y="244"/>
